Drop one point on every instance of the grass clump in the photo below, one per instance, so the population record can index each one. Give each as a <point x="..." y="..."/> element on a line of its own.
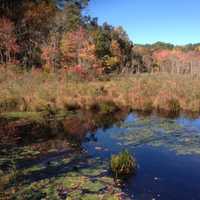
<point x="123" y="164"/>
<point x="174" y="106"/>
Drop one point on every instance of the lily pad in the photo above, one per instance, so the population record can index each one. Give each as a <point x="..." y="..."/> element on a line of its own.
<point x="91" y="197"/>
<point x="95" y="186"/>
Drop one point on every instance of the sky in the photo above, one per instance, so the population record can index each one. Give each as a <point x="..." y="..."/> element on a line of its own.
<point x="149" y="21"/>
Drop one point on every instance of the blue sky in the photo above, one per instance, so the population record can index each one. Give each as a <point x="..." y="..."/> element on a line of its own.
<point x="148" y="21"/>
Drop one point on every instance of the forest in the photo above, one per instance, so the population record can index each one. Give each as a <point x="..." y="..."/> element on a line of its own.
<point x="55" y="35"/>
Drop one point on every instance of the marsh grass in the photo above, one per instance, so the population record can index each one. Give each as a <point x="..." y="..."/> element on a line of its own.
<point x="123" y="164"/>
<point x="37" y="91"/>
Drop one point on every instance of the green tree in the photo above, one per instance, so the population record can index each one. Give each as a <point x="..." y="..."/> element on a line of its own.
<point x="102" y="43"/>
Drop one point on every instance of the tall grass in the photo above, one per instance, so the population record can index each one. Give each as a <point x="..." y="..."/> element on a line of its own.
<point x="38" y="91"/>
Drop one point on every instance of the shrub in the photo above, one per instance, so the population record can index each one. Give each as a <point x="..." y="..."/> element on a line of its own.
<point x="123" y="164"/>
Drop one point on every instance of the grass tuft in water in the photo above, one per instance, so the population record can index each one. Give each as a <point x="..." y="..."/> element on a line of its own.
<point x="123" y="164"/>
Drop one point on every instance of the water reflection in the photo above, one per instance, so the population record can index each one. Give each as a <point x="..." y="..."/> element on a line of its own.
<point x="181" y="135"/>
<point x="40" y="161"/>
<point x="58" y="158"/>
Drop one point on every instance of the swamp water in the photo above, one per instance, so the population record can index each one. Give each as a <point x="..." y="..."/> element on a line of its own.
<point x="167" y="153"/>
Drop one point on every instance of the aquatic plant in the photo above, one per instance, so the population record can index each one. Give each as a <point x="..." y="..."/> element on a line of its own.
<point x="123" y="164"/>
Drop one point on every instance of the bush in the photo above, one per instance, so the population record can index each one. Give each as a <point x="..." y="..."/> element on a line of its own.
<point x="123" y="164"/>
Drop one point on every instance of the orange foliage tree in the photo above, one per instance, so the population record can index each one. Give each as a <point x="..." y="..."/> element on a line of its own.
<point x="77" y="48"/>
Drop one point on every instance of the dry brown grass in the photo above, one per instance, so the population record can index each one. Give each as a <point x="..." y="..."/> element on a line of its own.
<point x="37" y="91"/>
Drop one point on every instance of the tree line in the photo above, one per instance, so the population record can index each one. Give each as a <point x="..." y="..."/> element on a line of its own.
<point x="54" y="35"/>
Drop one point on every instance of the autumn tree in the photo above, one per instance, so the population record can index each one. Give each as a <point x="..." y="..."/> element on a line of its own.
<point x="71" y="44"/>
<point x="34" y="30"/>
<point x="51" y="55"/>
<point x="8" y="44"/>
<point x="78" y="48"/>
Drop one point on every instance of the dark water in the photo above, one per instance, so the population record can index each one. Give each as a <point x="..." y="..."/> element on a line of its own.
<point x="167" y="152"/>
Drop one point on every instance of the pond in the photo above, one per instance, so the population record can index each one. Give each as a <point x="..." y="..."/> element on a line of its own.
<point x="72" y="162"/>
<point x="167" y="152"/>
